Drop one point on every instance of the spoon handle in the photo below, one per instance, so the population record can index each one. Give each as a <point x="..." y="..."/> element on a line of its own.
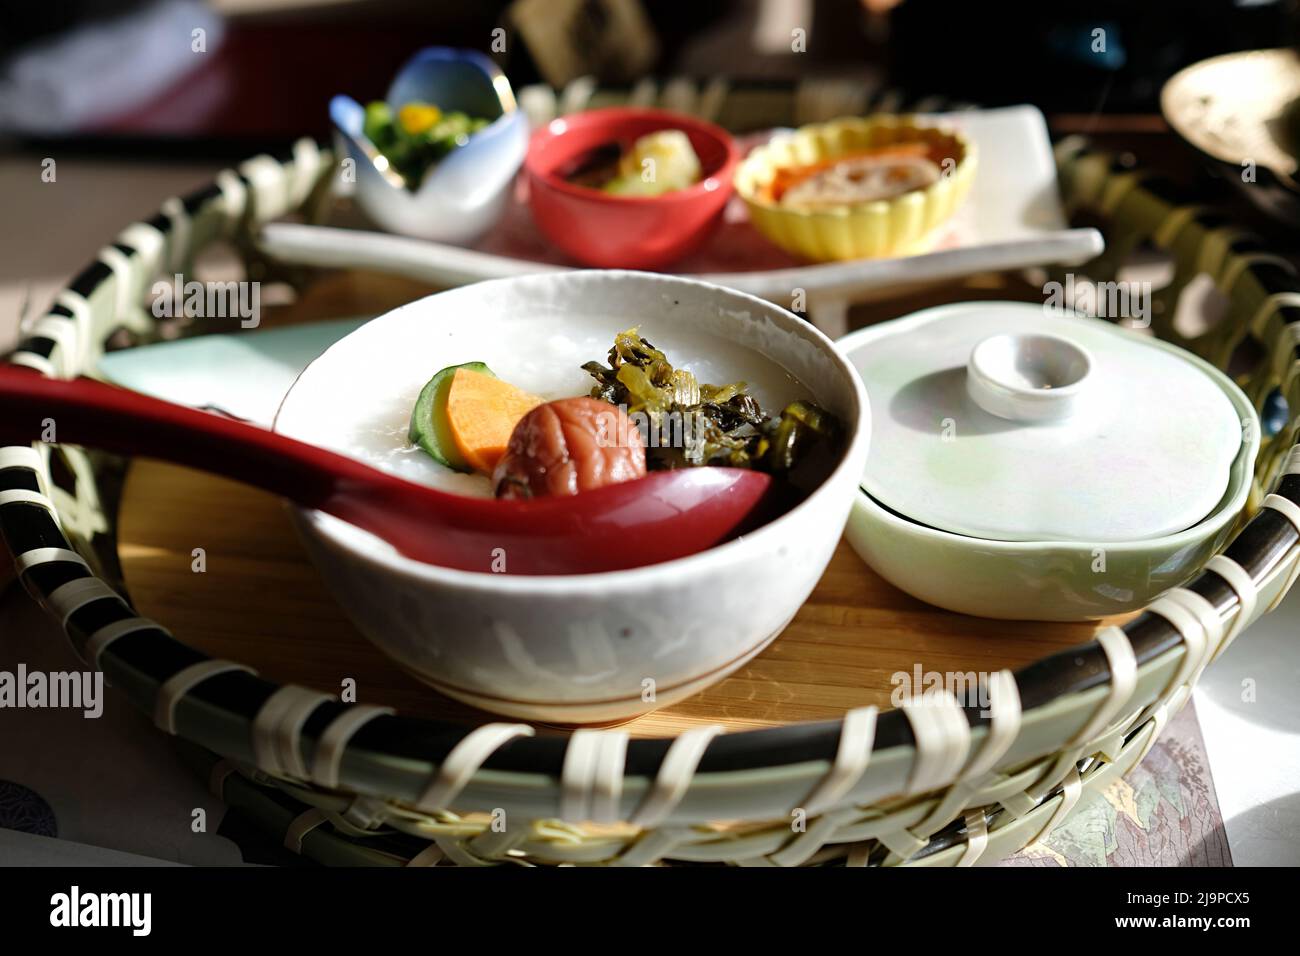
<point x="86" y="412"/>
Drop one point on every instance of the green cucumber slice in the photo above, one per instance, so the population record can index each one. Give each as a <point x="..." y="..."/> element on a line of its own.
<point x="429" y="428"/>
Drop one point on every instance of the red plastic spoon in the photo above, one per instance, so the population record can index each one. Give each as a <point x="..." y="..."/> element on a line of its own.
<point x="666" y="515"/>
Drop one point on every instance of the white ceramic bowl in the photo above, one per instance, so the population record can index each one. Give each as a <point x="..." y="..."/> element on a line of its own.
<point x="464" y="194"/>
<point x="577" y="648"/>
<point x="1043" y="580"/>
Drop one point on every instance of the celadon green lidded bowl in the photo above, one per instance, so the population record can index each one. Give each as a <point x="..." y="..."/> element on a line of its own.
<point x="1043" y="465"/>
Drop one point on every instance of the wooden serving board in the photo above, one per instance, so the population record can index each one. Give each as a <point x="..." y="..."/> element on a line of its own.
<point x="260" y="602"/>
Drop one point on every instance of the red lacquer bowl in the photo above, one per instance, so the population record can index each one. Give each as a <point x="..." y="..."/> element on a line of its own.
<point x="625" y="232"/>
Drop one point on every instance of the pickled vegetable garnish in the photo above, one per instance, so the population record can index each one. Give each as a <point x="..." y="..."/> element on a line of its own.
<point x="687" y="423"/>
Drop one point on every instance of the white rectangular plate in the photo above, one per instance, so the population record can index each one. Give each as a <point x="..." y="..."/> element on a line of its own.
<point x="1012" y="219"/>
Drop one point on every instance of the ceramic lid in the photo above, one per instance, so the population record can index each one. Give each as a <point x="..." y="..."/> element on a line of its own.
<point x="1009" y="421"/>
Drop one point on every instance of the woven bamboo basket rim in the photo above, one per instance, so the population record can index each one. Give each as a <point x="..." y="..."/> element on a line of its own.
<point x="906" y="772"/>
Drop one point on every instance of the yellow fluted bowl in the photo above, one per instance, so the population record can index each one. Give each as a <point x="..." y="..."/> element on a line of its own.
<point x="871" y="230"/>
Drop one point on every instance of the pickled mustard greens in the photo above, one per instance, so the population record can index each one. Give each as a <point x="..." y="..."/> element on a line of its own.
<point x="417" y="136"/>
<point x="690" y="423"/>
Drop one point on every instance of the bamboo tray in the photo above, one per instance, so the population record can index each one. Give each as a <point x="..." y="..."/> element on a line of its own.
<point x="817" y="767"/>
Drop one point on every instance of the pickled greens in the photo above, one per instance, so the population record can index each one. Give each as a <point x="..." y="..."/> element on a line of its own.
<point x="688" y="423"/>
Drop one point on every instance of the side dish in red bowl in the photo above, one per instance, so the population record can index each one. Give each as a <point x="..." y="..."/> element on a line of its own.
<point x="629" y="188"/>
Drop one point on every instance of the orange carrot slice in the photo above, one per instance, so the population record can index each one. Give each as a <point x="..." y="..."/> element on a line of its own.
<point x="482" y="411"/>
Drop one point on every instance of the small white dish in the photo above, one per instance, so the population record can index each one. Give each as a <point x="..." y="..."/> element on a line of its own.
<point x="580" y="648"/>
<point x="462" y="196"/>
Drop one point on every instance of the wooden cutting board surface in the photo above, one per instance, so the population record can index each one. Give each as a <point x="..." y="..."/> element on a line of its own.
<point x="259" y="601"/>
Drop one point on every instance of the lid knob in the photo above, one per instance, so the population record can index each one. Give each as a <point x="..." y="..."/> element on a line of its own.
<point x="1027" y="376"/>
